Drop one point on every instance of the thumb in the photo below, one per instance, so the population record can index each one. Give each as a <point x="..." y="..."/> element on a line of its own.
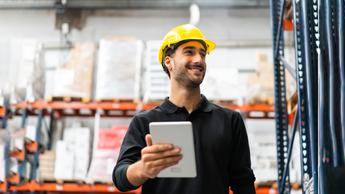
<point x="148" y="139"/>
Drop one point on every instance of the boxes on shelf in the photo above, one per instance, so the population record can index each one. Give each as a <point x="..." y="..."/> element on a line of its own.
<point x="64" y="162"/>
<point x="2" y="163"/>
<point x="17" y="140"/>
<point x="75" y="146"/>
<point x="31" y="133"/>
<point x="74" y="78"/>
<point x="261" y="90"/>
<point x="261" y="84"/>
<point x="30" y="77"/>
<point x="107" y="144"/>
<point x="119" y="60"/>
<point x="262" y="141"/>
<point x="156" y="85"/>
<point x="4" y="153"/>
<point x="47" y="166"/>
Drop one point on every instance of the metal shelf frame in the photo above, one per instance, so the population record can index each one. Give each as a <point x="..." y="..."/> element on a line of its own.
<point x="320" y="78"/>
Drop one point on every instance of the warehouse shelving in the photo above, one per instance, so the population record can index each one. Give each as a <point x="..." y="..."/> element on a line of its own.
<point x="126" y="109"/>
<point x="67" y="187"/>
<point x="57" y="109"/>
<point x="80" y="188"/>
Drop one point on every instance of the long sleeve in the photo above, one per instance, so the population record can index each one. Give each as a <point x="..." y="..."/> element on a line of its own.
<point x="130" y="152"/>
<point x="241" y="175"/>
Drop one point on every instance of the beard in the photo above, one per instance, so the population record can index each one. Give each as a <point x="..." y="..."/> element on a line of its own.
<point x="184" y="78"/>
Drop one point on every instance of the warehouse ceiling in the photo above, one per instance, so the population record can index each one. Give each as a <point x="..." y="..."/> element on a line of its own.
<point x="135" y="4"/>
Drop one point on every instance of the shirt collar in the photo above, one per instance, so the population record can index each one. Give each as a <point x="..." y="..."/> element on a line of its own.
<point x="169" y="107"/>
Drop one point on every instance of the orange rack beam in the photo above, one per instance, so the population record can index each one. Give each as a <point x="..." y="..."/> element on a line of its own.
<point x="31" y="146"/>
<point x="288" y="25"/>
<point x="128" y="109"/>
<point x="14" y="179"/>
<point x="19" y="154"/>
<point x="123" y="106"/>
<point x="2" y="111"/>
<point x="68" y="187"/>
<point x="3" y="187"/>
<point x="100" y="188"/>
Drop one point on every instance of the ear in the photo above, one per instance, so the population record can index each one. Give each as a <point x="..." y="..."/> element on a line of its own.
<point x="169" y="62"/>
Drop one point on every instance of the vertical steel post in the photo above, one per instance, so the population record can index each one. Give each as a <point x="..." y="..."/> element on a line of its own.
<point x="281" y="116"/>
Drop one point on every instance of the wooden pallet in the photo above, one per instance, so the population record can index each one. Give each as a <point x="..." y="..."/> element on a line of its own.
<point x="116" y="100"/>
<point x="224" y="101"/>
<point x="62" y="181"/>
<point x="67" y="99"/>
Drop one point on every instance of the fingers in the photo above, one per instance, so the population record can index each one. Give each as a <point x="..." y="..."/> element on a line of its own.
<point x="157" y="148"/>
<point x="148" y="156"/>
<point x="148" y="139"/>
<point x="153" y="168"/>
<point x="164" y="162"/>
<point x="157" y="157"/>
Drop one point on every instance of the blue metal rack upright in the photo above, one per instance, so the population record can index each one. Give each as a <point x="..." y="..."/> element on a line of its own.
<point x="281" y="115"/>
<point x="320" y="69"/>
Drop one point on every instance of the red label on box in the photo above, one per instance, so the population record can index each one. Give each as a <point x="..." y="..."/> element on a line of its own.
<point x="111" y="139"/>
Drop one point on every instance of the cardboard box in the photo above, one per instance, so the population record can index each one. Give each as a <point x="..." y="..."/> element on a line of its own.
<point x="47" y="165"/>
<point x="75" y="77"/>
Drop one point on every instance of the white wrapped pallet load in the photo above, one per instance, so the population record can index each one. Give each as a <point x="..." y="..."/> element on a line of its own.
<point x="4" y="150"/>
<point x="74" y="78"/>
<point x="156" y="82"/>
<point x="2" y="163"/>
<point x="78" y="141"/>
<point x="119" y="59"/>
<point x="107" y="144"/>
<point x="30" y="77"/>
<point x="64" y="162"/>
<point x="261" y="134"/>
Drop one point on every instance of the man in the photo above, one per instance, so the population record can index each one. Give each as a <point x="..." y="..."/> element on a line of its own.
<point x="220" y="139"/>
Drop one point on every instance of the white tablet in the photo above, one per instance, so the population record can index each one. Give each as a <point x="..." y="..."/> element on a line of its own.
<point x="181" y="135"/>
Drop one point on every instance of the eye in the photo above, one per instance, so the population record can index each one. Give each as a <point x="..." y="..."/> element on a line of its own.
<point x="189" y="52"/>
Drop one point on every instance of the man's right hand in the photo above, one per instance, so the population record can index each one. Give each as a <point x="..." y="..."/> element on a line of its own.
<point x="154" y="158"/>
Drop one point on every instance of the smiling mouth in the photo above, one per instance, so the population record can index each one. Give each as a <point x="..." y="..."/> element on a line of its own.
<point x="196" y="67"/>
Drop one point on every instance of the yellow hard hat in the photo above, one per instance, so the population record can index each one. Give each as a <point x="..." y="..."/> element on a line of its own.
<point x="182" y="33"/>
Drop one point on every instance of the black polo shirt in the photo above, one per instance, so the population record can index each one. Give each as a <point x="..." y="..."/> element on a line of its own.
<point x="221" y="151"/>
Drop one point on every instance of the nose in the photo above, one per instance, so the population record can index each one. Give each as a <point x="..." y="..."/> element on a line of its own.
<point x="198" y="58"/>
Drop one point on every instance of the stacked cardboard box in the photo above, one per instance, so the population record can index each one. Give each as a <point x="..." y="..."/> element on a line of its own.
<point x="47" y="166"/>
<point x="74" y="77"/>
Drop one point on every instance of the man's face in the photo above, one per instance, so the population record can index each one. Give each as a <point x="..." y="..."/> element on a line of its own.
<point x="187" y="66"/>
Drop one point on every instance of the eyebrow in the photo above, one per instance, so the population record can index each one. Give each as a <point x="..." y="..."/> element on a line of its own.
<point x="193" y="47"/>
